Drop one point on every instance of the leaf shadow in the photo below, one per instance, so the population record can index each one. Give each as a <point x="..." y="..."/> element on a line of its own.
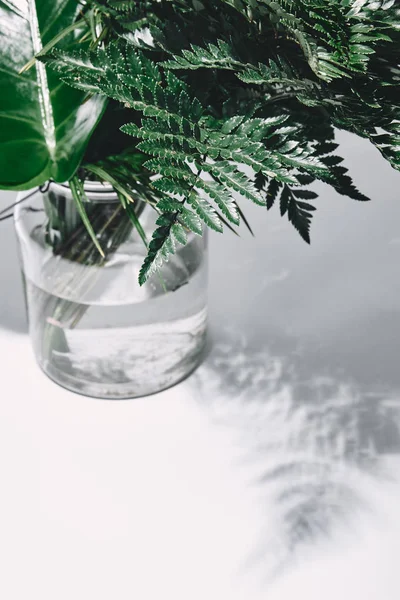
<point x="313" y="435"/>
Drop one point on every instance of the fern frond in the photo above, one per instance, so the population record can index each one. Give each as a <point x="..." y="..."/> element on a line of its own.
<point x="291" y="203"/>
<point x="163" y="243"/>
<point x="230" y="176"/>
<point x="191" y="220"/>
<point x="213" y="56"/>
<point x="206" y="212"/>
<point x="299" y="213"/>
<point x="239" y="98"/>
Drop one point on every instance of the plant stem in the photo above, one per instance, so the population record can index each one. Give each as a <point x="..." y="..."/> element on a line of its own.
<point x="78" y="193"/>
<point x="47" y="47"/>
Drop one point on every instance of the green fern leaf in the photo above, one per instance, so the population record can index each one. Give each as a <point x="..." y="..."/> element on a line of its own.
<point x="170" y="186"/>
<point x="162" y="245"/>
<point x="299" y="213"/>
<point x="206" y="212"/>
<point x="222" y="198"/>
<point x="229" y="175"/>
<point x="272" y="193"/>
<point x="191" y="220"/>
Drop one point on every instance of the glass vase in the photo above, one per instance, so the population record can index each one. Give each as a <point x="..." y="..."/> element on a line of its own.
<point x="94" y="330"/>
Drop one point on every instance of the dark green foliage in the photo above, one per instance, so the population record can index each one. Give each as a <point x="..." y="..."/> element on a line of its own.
<point x="168" y="234"/>
<point x="240" y="98"/>
<point x="291" y="203"/>
<point x="45" y="126"/>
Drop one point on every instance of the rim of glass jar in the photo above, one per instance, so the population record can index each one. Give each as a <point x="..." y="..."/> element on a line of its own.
<point x="96" y="191"/>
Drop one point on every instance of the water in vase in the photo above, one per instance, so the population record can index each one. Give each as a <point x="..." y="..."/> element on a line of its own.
<point x="95" y="331"/>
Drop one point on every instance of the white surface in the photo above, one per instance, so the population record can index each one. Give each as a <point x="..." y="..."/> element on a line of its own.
<point x="273" y="472"/>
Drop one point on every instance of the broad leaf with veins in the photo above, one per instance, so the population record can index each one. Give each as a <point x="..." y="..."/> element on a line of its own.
<point x="45" y="125"/>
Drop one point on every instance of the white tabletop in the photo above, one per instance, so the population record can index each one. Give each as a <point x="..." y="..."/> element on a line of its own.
<point x="272" y="473"/>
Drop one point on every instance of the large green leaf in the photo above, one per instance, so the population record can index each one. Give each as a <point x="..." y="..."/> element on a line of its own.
<point x="45" y="125"/>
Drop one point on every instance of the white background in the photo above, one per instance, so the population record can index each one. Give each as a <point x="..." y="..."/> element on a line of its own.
<point x="272" y="473"/>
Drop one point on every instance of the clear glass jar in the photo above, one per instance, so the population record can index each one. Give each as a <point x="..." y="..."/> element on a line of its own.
<point x="94" y="330"/>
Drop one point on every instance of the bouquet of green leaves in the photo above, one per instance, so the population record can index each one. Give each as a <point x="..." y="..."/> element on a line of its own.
<point x="194" y="106"/>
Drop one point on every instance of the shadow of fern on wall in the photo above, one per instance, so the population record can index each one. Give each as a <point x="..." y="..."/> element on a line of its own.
<point x="313" y="446"/>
